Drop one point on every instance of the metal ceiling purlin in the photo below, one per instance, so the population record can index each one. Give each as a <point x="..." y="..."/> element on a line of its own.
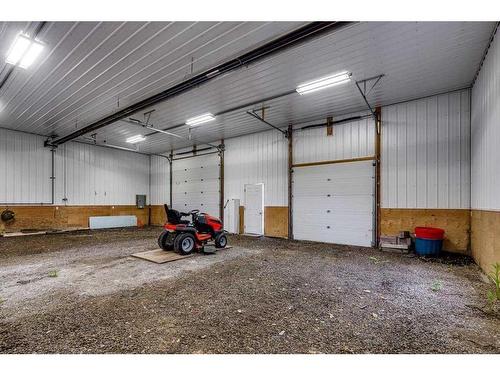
<point x="293" y="38"/>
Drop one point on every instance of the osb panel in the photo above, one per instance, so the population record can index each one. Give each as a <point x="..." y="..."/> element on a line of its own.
<point x="158" y="215"/>
<point x="60" y="217"/>
<point x="242" y="219"/>
<point x="276" y="221"/>
<point x="485" y="238"/>
<point x="456" y="224"/>
<point x="31" y="217"/>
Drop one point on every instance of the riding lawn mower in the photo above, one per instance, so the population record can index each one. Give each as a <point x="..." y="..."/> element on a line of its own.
<point x="184" y="236"/>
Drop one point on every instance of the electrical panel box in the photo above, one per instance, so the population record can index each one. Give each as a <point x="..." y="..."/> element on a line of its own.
<point x="140" y="201"/>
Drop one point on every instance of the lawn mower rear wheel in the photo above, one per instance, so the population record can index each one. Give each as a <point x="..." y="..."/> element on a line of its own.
<point x="165" y="241"/>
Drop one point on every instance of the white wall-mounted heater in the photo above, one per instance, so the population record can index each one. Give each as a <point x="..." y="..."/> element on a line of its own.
<point x="232" y="216"/>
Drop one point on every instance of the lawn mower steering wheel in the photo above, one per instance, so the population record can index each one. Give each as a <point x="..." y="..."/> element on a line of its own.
<point x="193" y="214"/>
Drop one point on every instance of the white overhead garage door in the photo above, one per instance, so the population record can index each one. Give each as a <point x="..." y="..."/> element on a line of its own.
<point x="334" y="203"/>
<point x="196" y="185"/>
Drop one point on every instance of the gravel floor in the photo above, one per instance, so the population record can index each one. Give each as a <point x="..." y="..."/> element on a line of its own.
<point x="82" y="293"/>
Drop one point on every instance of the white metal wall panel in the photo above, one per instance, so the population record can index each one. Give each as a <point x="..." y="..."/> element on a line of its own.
<point x="350" y="140"/>
<point x="334" y="203"/>
<point x="91" y="175"/>
<point x="196" y="184"/>
<point x="25" y="168"/>
<point x="257" y="158"/>
<point x="160" y="180"/>
<point x="425" y="152"/>
<point x="486" y="132"/>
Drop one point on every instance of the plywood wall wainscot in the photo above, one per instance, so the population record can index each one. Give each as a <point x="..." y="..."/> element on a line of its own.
<point x="455" y="222"/>
<point x="276" y="221"/>
<point x="158" y="215"/>
<point x="485" y="238"/>
<point x="63" y="217"/>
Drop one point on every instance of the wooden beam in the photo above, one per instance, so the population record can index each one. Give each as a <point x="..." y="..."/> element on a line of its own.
<point x="221" y="181"/>
<point x="290" y="171"/>
<point x="329" y="126"/>
<point x="171" y="175"/>
<point x="378" y="130"/>
<point x="338" y="161"/>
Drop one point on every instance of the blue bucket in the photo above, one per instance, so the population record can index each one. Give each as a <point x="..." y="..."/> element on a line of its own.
<point x="428" y="247"/>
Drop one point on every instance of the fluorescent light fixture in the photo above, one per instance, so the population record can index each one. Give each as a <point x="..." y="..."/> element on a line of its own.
<point x="136" y="138"/>
<point x="201" y="119"/>
<point x="18" y="49"/>
<point x="31" y="55"/>
<point x="24" y="51"/>
<point x="323" y="83"/>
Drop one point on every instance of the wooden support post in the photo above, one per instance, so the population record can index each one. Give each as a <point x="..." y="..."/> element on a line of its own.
<point x="149" y="192"/>
<point x="171" y="174"/>
<point x="378" y="131"/>
<point x="290" y="174"/>
<point x="329" y="126"/>
<point x="221" y="180"/>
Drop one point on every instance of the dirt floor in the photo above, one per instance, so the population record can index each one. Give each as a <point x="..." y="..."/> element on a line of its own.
<point x="83" y="293"/>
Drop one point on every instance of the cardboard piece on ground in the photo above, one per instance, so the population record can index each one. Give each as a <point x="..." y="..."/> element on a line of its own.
<point x="161" y="256"/>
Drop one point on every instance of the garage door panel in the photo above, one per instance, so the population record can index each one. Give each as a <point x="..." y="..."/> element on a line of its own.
<point x="196" y="184"/>
<point x="196" y="196"/>
<point x="334" y="203"/>
<point x="338" y="220"/>
<point x="342" y="203"/>
<point x="354" y="187"/>
<point x="342" y="170"/>
<point x="337" y="235"/>
<point x="196" y="173"/>
<point x="196" y="187"/>
<point x="195" y="180"/>
<point x="334" y="186"/>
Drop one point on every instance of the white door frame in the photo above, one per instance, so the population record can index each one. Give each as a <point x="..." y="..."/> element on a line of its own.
<point x="261" y="209"/>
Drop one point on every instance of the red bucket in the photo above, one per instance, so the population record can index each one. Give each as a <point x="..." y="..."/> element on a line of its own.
<point x="428" y="233"/>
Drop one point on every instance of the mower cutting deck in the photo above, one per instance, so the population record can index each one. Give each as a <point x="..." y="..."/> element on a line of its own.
<point x="184" y="237"/>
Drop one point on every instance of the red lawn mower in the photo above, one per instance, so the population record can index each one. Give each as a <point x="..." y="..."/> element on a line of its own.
<point x="184" y="236"/>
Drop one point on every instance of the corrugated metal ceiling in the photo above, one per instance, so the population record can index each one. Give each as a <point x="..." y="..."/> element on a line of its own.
<point x="94" y="66"/>
<point x="91" y="69"/>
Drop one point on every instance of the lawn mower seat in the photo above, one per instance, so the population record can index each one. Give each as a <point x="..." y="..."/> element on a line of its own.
<point x="174" y="216"/>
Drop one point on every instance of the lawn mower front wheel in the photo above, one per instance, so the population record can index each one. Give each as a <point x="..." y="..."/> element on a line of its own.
<point x="221" y="241"/>
<point x="184" y="243"/>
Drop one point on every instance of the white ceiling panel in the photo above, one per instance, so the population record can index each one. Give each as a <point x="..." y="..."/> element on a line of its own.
<point x="99" y="68"/>
<point x="93" y="68"/>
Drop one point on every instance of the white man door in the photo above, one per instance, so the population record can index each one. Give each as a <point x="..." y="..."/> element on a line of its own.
<point x="254" y="209"/>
